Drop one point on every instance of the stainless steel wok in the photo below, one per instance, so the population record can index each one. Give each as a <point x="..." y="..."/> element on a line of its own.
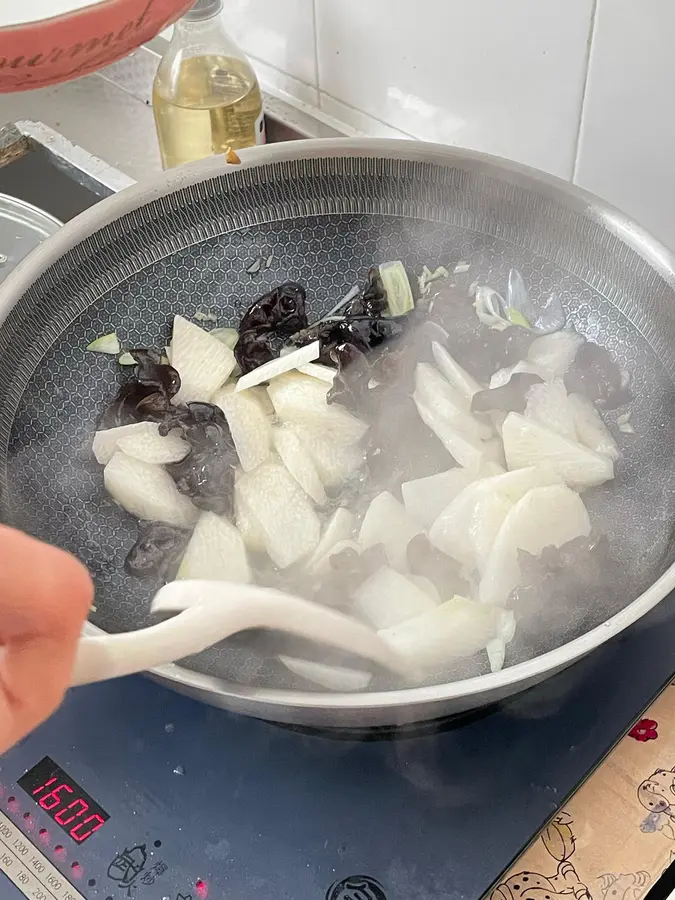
<point x="324" y="210"/>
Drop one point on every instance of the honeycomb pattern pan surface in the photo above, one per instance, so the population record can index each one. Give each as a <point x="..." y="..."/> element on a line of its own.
<point x="323" y="212"/>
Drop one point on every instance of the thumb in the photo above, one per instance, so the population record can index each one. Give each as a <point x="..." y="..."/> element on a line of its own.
<point x="45" y="595"/>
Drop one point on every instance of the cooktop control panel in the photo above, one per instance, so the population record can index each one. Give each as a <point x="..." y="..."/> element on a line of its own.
<point x="53" y="845"/>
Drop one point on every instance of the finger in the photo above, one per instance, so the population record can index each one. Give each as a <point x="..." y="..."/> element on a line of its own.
<point x="43" y="590"/>
<point x="45" y="595"/>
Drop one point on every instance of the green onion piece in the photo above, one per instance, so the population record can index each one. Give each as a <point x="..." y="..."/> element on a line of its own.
<point x="399" y="294"/>
<point x="515" y="317"/>
<point x="205" y="315"/>
<point x="107" y="343"/>
<point x="439" y="272"/>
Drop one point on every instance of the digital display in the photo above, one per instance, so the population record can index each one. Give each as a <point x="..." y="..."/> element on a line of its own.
<point x="63" y="800"/>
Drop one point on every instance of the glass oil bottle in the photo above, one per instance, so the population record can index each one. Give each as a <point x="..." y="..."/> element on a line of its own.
<point x="206" y="97"/>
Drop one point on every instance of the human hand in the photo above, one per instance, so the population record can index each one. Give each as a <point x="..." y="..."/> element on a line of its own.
<point x="45" y="595"/>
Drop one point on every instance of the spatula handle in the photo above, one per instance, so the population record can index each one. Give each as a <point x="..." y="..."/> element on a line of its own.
<point x="210" y="611"/>
<point x="114" y="655"/>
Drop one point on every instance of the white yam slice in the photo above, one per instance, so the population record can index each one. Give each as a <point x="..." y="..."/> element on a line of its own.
<point x="249" y="424"/>
<point x="147" y="491"/>
<point x="215" y="552"/>
<point x="276" y="367"/>
<point x="333" y="678"/>
<point x="334" y="459"/>
<point x="298" y="460"/>
<point x="496" y="648"/>
<point x="227" y="336"/>
<point x="289" y="525"/>
<point x="488" y="517"/>
<point x="426" y="585"/>
<point x="456" y="629"/>
<point x="317" y="370"/>
<point x="203" y="362"/>
<point x="150" y="446"/>
<point x="490" y="469"/>
<point x="263" y="399"/>
<point x="431" y="382"/>
<point x="386" y="522"/>
<point x="526" y="443"/>
<point x="439" y="397"/>
<point x="467" y="527"/>
<point x="426" y="498"/>
<point x="388" y="598"/>
<point x="514" y="485"/>
<point x="547" y="403"/>
<point x="323" y="565"/>
<point x="338" y="528"/>
<point x="591" y="430"/>
<point x="300" y="398"/>
<point x="466" y="451"/>
<point x="247" y="524"/>
<point x="544" y="517"/>
<point x="553" y="354"/>
<point x="141" y="440"/>
<point x="104" y="444"/>
<point x="503" y="376"/>
<point x="458" y="377"/>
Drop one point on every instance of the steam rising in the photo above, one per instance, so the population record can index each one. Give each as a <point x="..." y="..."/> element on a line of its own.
<point x="56" y="494"/>
<point x="564" y="594"/>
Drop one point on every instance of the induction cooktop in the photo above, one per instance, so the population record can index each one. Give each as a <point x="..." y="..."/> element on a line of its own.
<point x="133" y="791"/>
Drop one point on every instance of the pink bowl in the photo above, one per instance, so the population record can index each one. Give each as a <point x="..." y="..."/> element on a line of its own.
<point x="48" y="51"/>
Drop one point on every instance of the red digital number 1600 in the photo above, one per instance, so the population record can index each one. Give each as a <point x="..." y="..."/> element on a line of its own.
<point x="63" y="800"/>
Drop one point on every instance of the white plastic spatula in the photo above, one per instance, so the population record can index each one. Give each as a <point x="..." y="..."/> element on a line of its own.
<point x="209" y="612"/>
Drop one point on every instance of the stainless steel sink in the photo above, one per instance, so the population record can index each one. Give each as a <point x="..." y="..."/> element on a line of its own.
<point x="41" y="172"/>
<point x="41" y="166"/>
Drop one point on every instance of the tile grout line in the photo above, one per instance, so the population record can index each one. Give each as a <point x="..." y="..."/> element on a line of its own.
<point x="584" y="92"/>
<point x="321" y="93"/>
<point x="283" y="72"/>
<point x="318" y="108"/>
<point x="317" y="85"/>
<point x="315" y="32"/>
<point x="362" y="112"/>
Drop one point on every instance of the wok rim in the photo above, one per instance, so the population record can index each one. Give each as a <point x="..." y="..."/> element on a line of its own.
<point x="631" y="233"/>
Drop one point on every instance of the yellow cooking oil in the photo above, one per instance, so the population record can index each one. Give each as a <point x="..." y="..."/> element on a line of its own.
<point x="210" y="104"/>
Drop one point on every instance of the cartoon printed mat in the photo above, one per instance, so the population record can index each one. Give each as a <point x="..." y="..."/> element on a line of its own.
<point x="616" y="835"/>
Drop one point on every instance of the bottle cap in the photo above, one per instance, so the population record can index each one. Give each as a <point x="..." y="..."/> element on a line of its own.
<point x="203" y="9"/>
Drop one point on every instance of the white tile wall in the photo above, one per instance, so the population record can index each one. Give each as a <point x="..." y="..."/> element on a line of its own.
<point x="278" y="32"/>
<point x="627" y="142"/>
<point x="580" y="88"/>
<point x="504" y="76"/>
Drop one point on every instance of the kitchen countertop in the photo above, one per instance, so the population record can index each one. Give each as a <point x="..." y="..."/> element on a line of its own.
<point x="615" y="836"/>
<point x="125" y="136"/>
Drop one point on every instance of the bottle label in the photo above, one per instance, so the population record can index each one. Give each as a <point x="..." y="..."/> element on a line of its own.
<point x="260" y="136"/>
